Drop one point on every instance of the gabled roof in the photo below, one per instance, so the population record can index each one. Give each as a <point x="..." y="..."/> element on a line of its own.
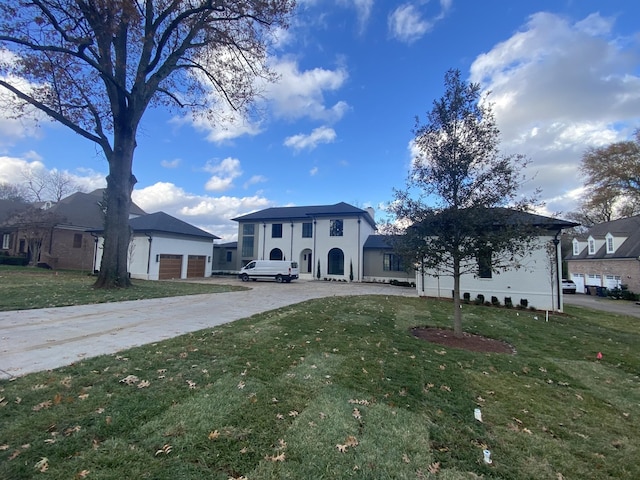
<point x="624" y="227"/>
<point x="165" y="223"/>
<point x="341" y="209"/>
<point x="83" y="209"/>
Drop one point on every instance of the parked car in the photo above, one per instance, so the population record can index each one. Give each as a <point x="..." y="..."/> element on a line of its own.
<point x="279" y="270"/>
<point x="568" y="286"/>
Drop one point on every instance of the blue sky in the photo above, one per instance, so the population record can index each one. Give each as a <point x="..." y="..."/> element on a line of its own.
<point x="354" y="74"/>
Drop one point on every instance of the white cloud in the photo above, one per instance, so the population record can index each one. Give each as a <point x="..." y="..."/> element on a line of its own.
<point x="313" y="171"/>
<point x="363" y="9"/>
<point x="558" y="88"/>
<point x="212" y="214"/>
<point x="175" y="163"/>
<point x="311" y="141"/>
<point x="407" y="23"/>
<point x="300" y="94"/>
<point x="254" y="180"/>
<point x="224" y="173"/>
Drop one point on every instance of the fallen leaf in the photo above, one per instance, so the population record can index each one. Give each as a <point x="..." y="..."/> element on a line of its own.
<point x="42" y="465"/>
<point x="130" y="380"/>
<point x="144" y="384"/>
<point x="166" y="449"/>
<point x="434" y="468"/>
<point x="43" y="405"/>
<point x="341" y="448"/>
<point x="82" y="474"/>
<point x="293" y="413"/>
<point x="4" y="447"/>
<point x="351" y="441"/>
<point x="356" y="414"/>
<point x="277" y="458"/>
<point x="213" y="435"/>
<point x="84" y="396"/>
<point x="405" y="458"/>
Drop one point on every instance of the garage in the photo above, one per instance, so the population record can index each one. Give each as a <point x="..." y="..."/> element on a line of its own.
<point x="170" y="266"/>
<point x="196" y="266"/>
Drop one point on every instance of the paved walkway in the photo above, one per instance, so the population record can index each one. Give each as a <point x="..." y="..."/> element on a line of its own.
<point x="35" y="340"/>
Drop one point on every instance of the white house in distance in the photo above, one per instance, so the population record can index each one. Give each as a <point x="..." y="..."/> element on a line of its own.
<point x="163" y="247"/>
<point x="536" y="282"/>
<point x="325" y="237"/>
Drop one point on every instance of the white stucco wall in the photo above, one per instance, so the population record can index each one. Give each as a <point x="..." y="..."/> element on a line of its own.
<point x="533" y="282"/>
<point x="294" y="246"/>
<point x="142" y="253"/>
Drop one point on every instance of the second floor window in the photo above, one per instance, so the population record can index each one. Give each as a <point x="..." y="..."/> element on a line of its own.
<point x="276" y="230"/>
<point x="248" y="232"/>
<point x="307" y="230"/>
<point x="335" y="228"/>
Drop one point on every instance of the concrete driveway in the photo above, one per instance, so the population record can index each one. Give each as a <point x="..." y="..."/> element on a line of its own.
<point x="35" y="340"/>
<point x="621" y="307"/>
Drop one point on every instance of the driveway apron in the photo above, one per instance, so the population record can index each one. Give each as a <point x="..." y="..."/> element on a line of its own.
<point x="43" y="339"/>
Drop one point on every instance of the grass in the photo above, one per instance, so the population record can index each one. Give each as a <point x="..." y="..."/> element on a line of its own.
<point x="339" y="388"/>
<point x="23" y="288"/>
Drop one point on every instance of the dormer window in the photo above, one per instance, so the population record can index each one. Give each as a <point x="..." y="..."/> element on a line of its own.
<point x="576" y="247"/>
<point x="592" y="246"/>
<point x="610" y="244"/>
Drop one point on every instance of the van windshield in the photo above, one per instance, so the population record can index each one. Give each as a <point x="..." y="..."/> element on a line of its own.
<point x="294" y="264"/>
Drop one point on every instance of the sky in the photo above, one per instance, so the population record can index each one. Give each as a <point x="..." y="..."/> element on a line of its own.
<point x="564" y="75"/>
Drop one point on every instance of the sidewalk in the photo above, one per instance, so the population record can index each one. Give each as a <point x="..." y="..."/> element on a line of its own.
<point x="35" y="340"/>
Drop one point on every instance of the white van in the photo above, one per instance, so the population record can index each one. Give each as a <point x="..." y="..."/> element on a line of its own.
<point x="280" y="270"/>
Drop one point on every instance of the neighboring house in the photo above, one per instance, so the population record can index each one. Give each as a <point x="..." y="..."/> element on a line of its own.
<point x="66" y="241"/>
<point x="535" y="282"/>
<point x="607" y="255"/>
<point x="224" y="258"/>
<point x="9" y="235"/>
<point x="328" y="238"/>
<point x="163" y="247"/>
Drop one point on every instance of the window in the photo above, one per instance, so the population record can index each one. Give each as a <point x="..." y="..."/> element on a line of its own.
<point x="229" y="257"/>
<point x="610" y="245"/>
<point x="335" y="262"/>
<point x="484" y="263"/>
<point x="77" y="240"/>
<point x="248" y="232"/>
<point x="276" y="230"/>
<point x="5" y="241"/>
<point x="576" y="247"/>
<point x="307" y="230"/>
<point x="592" y="246"/>
<point x="275" y="254"/>
<point x="391" y="263"/>
<point x="335" y="228"/>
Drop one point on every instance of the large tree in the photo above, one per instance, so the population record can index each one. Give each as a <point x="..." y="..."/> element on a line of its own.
<point x="97" y="65"/>
<point x="456" y="190"/>
<point x="612" y="180"/>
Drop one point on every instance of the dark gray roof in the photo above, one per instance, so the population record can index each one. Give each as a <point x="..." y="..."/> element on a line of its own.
<point x="624" y="227"/>
<point x="378" y="242"/>
<point x="83" y="209"/>
<point x="226" y="245"/>
<point x="165" y="223"/>
<point x="10" y="207"/>
<point x="306" y="213"/>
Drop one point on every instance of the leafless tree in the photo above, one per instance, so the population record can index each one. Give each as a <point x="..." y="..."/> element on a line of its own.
<point x="96" y="66"/>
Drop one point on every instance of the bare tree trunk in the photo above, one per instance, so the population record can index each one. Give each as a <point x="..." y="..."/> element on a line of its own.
<point x="117" y="234"/>
<point x="457" y="311"/>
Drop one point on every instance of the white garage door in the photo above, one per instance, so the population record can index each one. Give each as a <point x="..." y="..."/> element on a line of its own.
<point x="578" y="279"/>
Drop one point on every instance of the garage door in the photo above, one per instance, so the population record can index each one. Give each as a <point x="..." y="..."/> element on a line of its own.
<point x="170" y="266"/>
<point x="196" y="266"/>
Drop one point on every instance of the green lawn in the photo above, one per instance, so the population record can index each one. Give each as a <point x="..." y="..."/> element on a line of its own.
<point x="23" y="288"/>
<point x="339" y="388"/>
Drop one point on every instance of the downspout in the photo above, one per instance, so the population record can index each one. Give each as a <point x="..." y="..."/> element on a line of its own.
<point x="149" y="255"/>
<point x="359" y="249"/>
<point x="314" y="256"/>
<point x="264" y="238"/>
<point x="291" y="248"/>
<point x="556" y="241"/>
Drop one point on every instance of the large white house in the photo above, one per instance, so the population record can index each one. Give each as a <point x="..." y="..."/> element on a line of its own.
<point x="324" y="239"/>
<point x="335" y="240"/>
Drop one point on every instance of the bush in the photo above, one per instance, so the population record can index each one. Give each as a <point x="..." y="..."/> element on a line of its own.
<point x="480" y="299"/>
<point x="466" y="296"/>
<point x="508" y="302"/>
<point x="21" y="261"/>
<point x="524" y="303"/>
<point x="495" y="302"/>
<point x="399" y="283"/>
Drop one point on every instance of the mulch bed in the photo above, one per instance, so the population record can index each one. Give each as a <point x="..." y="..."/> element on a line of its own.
<point x="474" y="343"/>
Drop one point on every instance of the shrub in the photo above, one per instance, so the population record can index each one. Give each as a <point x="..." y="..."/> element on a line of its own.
<point x="508" y="302"/>
<point x="480" y="299"/>
<point x="495" y="302"/>
<point x="524" y="303"/>
<point x="21" y="261"/>
<point x="466" y="296"/>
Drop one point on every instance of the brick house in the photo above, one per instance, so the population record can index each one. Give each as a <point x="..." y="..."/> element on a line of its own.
<point x="67" y="241"/>
<point x="607" y="255"/>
